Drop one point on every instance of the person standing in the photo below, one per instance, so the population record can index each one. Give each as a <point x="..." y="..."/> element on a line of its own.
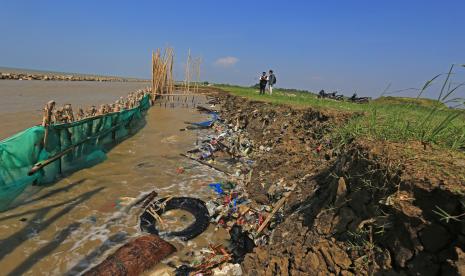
<point x="263" y="81"/>
<point x="271" y="81"/>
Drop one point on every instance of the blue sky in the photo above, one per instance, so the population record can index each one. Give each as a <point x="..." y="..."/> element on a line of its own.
<point x="358" y="45"/>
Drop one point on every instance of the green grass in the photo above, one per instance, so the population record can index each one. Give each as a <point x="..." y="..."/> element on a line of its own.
<point x="302" y="99"/>
<point x="409" y="101"/>
<point x="386" y="118"/>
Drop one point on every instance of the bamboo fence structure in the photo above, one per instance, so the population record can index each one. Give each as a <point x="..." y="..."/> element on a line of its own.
<point x="162" y="72"/>
<point x="65" y="114"/>
<point x="163" y="86"/>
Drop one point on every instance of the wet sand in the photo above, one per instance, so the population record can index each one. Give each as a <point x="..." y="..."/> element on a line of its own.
<point x="66" y="227"/>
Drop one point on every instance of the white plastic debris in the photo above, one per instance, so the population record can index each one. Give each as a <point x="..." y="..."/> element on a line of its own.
<point x="228" y="270"/>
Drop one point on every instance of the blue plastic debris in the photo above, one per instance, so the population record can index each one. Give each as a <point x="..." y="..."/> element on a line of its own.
<point x="205" y="155"/>
<point x="235" y="204"/>
<point x="209" y="123"/>
<point x="217" y="188"/>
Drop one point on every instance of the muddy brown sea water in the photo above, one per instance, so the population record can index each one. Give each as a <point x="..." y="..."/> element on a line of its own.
<point x="75" y="223"/>
<point x="21" y="102"/>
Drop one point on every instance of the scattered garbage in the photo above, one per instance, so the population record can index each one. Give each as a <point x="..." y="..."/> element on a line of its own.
<point x="184" y="270"/>
<point x="206" y="109"/>
<point x="226" y="147"/>
<point x="230" y="207"/>
<point x="241" y="243"/>
<point x="228" y="270"/>
<point x="217" y="188"/>
<point x="223" y="149"/>
<point x="206" y="164"/>
<point x="215" y="257"/>
<point x="151" y="216"/>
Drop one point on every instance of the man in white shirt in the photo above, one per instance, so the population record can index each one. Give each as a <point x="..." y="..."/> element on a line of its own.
<point x="271" y="81"/>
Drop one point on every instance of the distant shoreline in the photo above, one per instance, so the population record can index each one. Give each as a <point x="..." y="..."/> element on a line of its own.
<point x="25" y="74"/>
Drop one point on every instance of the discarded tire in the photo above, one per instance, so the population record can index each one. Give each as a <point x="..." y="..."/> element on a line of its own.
<point x="192" y="205"/>
<point x="134" y="257"/>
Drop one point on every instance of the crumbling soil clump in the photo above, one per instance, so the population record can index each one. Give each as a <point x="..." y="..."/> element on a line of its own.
<point x="368" y="207"/>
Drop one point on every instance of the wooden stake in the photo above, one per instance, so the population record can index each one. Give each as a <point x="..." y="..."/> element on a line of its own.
<point x="46" y="121"/>
<point x="187" y="76"/>
<point x="276" y="208"/>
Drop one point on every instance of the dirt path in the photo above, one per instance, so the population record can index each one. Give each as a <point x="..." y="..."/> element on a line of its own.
<point x="369" y="207"/>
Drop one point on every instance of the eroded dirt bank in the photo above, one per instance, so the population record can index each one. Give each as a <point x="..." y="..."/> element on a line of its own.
<point x="369" y="207"/>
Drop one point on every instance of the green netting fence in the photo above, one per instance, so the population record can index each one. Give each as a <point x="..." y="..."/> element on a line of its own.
<point x="85" y="143"/>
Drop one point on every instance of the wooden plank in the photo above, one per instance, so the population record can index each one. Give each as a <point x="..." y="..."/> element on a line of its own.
<point x="276" y="208"/>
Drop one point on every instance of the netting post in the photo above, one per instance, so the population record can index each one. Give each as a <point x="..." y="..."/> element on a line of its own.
<point x="60" y="169"/>
<point x="113" y="133"/>
<point x="47" y="119"/>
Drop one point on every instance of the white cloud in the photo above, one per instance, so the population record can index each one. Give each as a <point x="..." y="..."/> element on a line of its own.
<point x="226" y="61"/>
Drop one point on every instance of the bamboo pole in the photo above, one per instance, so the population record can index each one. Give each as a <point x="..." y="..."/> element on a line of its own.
<point x="153" y="72"/>
<point x="157" y="71"/>
<point x="197" y="70"/>
<point x="187" y="76"/>
<point x="171" y="72"/>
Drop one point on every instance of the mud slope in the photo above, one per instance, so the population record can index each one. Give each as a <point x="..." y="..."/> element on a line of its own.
<point x="370" y="207"/>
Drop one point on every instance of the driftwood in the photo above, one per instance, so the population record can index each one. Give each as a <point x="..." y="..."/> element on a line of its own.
<point x="134" y="257"/>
